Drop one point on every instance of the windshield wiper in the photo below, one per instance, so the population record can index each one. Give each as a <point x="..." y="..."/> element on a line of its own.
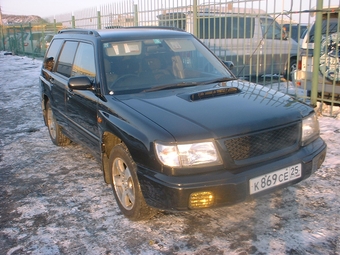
<point x="171" y="86"/>
<point x="219" y="80"/>
<point x="188" y="84"/>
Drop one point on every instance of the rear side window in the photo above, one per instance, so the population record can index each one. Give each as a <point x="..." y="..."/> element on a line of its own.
<point x="52" y="54"/>
<point x="35" y="36"/>
<point x="84" y="63"/>
<point x="66" y="58"/>
<point x="226" y="27"/>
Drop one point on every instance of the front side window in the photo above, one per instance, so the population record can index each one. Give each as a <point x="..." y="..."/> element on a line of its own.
<point x="84" y="63"/>
<point x="270" y="29"/>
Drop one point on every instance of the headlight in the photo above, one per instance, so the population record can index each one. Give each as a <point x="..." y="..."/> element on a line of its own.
<point x="310" y="129"/>
<point x="185" y="155"/>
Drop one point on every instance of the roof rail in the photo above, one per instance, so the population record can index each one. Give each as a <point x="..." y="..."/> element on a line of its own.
<point x="79" y="31"/>
<point x="157" y="27"/>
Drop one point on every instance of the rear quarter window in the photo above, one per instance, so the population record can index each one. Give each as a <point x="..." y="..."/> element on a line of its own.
<point x="226" y="27"/>
<point x="52" y="54"/>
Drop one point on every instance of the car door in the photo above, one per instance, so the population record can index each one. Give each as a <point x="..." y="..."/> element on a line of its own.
<point x="59" y="79"/>
<point x="82" y="104"/>
<point x="275" y="49"/>
<point x="55" y="83"/>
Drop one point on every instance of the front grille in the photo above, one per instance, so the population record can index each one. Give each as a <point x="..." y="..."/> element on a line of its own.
<point x="253" y="145"/>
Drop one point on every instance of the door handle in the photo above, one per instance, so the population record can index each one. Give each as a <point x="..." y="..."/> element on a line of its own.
<point x="70" y="94"/>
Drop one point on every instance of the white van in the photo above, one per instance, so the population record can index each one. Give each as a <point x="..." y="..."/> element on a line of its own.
<point x="255" y="43"/>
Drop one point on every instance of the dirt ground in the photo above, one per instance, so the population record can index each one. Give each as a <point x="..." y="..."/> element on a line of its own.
<point x="53" y="200"/>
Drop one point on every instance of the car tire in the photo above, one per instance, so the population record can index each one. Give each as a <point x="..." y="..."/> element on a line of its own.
<point x="57" y="137"/>
<point x="126" y="187"/>
<point x="292" y="67"/>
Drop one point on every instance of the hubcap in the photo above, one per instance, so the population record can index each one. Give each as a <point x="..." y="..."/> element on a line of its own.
<point x="123" y="183"/>
<point x="51" y="124"/>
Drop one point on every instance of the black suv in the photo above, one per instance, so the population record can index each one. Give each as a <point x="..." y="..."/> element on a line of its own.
<point x="172" y="127"/>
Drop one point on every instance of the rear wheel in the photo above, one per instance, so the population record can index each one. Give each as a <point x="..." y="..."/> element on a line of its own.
<point x="126" y="186"/>
<point x="291" y="68"/>
<point x="57" y="137"/>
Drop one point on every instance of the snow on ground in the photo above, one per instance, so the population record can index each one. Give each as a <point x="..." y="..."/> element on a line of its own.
<point x="53" y="200"/>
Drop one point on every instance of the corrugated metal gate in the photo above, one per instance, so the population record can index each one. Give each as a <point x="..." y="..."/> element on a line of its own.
<point x="263" y="38"/>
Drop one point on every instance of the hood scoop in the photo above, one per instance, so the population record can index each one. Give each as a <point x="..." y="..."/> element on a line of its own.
<point x="214" y="93"/>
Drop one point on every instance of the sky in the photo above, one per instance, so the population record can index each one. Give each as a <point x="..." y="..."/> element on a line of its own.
<point x="48" y="8"/>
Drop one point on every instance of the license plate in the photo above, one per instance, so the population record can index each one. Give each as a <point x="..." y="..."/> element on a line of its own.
<point x="273" y="179"/>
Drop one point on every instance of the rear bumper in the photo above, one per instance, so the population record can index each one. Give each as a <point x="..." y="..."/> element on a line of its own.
<point x="303" y="80"/>
<point x="173" y="192"/>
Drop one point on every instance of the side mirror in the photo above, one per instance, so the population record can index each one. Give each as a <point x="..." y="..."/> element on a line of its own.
<point x="80" y="83"/>
<point x="229" y="64"/>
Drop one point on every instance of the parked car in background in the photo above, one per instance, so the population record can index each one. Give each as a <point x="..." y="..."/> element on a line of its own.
<point x="173" y="128"/>
<point x="254" y="42"/>
<point x="45" y="41"/>
<point x="32" y="42"/>
<point x="329" y="67"/>
<point x="14" y="42"/>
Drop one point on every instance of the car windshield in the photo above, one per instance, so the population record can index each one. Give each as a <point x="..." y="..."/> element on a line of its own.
<point x="148" y="65"/>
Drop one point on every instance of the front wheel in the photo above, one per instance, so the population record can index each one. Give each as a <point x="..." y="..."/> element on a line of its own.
<point x="125" y="185"/>
<point x="290" y="69"/>
<point x="57" y="137"/>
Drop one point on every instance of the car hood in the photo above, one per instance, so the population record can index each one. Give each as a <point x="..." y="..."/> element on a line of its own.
<point x="201" y="112"/>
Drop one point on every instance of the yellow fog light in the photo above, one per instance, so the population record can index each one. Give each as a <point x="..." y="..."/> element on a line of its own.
<point x="201" y="199"/>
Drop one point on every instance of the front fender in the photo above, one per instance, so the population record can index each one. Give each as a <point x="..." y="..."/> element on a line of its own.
<point x="139" y="144"/>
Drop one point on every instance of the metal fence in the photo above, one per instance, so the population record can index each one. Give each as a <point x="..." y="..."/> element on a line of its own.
<point x="263" y="38"/>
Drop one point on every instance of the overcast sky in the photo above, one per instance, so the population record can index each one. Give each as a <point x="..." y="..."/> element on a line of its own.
<point x="49" y="8"/>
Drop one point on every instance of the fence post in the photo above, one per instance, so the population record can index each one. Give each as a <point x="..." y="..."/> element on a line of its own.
<point x="14" y="42"/>
<point x="55" y="25"/>
<point x="194" y="32"/>
<point x="22" y="43"/>
<point x="8" y="41"/>
<point x="316" y="52"/>
<point x="99" y="21"/>
<point x="135" y="19"/>
<point x="31" y="38"/>
<point x="2" y="37"/>
<point x="73" y="21"/>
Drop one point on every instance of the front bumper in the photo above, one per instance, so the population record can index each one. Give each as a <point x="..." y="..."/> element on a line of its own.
<point x="173" y="192"/>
